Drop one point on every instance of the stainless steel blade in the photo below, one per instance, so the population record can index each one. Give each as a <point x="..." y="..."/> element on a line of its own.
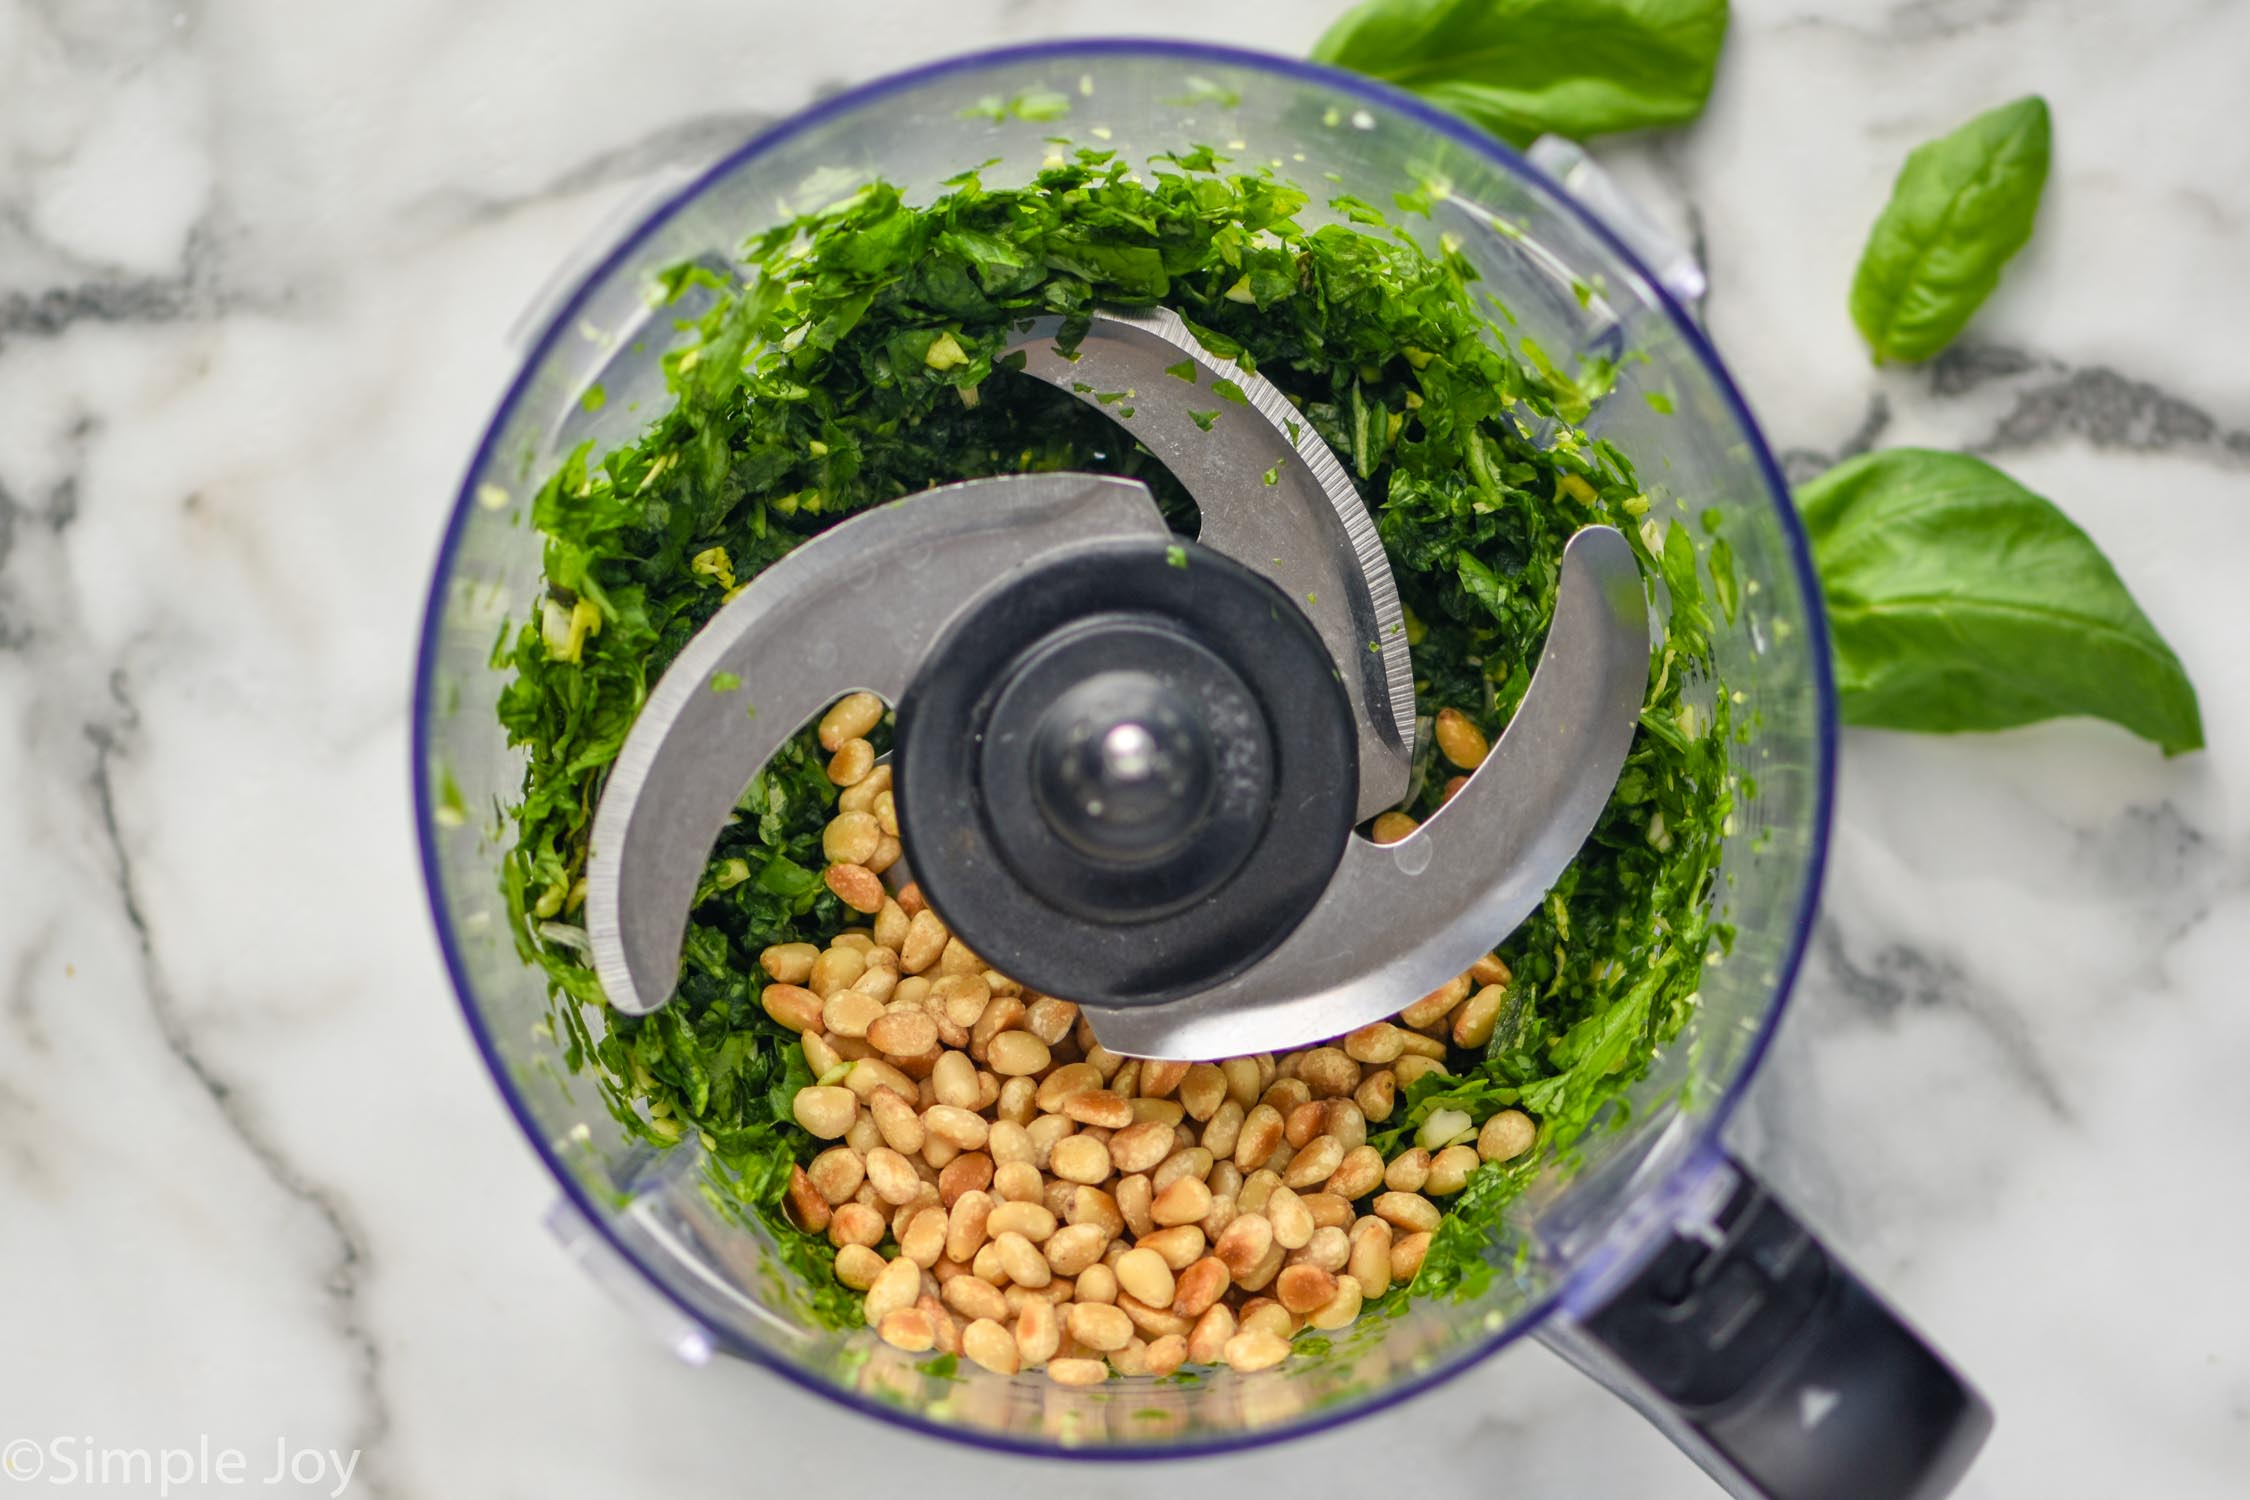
<point x="1398" y="920"/>
<point x="853" y="609"/>
<point x="1272" y="496"/>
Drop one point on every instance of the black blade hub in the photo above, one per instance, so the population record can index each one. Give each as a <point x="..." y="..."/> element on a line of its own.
<point x="1122" y="779"/>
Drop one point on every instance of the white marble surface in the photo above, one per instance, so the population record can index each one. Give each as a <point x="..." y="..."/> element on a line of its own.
<point x="257" y="262"/>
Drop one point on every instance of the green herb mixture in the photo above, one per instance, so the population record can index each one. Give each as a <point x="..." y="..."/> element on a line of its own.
<point x="851" y="361"/>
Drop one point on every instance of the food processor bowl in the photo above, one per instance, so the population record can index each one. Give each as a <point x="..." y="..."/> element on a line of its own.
<point x="1650" y="1257"/>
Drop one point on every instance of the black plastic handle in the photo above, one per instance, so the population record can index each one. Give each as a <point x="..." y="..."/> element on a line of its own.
<point x="1784" y="1367"/>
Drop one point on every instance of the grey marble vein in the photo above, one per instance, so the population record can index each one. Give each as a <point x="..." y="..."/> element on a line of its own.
<point x="110" y="738"/>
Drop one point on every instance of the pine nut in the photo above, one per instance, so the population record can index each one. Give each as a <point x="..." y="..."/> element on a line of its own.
<point x="1071" y="1250"/>
<point x="894" y="1180"/>
<point x="926" y="937"/>
<point x="1360" y="1173"/>
<point x="1301" y="1124"/>
<point x="1187" y="1161"/>
<point x="851" y="718"/>
<point x="1077" y="1371"/>
<point x="1166" y="1354"/>
<point x="1200" y="1286"/>
<point x="955" y="1079"/>
<point x="1257" y="1349"/>
<point x="1436" y="1005"/>
<point x="853" y="759"/>
<point x="967" y="1225"/>
<point x="1329" y="1248"/>
<point x="1144" y="1273"/>
<point x="1474" y="1021"/>
<point x="972" y="1297"/>
<point x="990" y="1345"/>
<point x="1264" y="1314"/>
<point x="1370" y="1260"/>
<point x="903" y="1033"/>
<point x="1080" y="1159"/>
<point x="798" y="1009"/>
<point x="1377" y="1095"/>
<point x="1292" y="1221"/>
<point x="1408" y="1211"/>
<point x="1050" y="1020"/>
<point x="825" y="1110"/>
<point x="1099" y="1326"/>
<point x="924" y="1240"/>
<point x="1459" y="740"/>
<point x="896" y="1288"/>
<point x="1329" y="1072"/>
<point x="958" y="958"/>
<point x="1449" y="1171"/>
<point x="1180" y="1245"/>
<point x="788" y="963"/>
<point x="1315" y="1164"/>
<point x="965" y="1128"/>
<point x="835" y="970"/>
<point x="857" y="1266"/>
<point x="881" y="982"/>
<point x="1038" y="1332"/>
<point x="1340" y="1310"/>
<point x="807" y="1207"/>
<point x="871" y="1073"/>
<point x="1153" y="1322"/>
<point x="1506" y="1136"/>
<point x="856" y="886"/>
<point x="901" y="1127"/>
<point x="1065" y="1083"/>
<point x="891" y="923"/>
<point x="1022" y="1261"/>
<point x="1303" y="1288"/>
<point x="1099" y="1107"/>
<point x="1018" y="1182"/>
<point x="837" y="1173"/>
<point x="1406" y="1254"/>
<point x="1261" y="1134"/>
<point x="1029" y="1219"/>
<point x="1185" y="1201"/>
<point x="855" y="1224"/>
<point x="886" y="811"/>
<point x="1409" y="1069"/>
<point x="1392" y="826"/>
<point x="1244" y="1243"/>
<point x="1017" y="1054"/>
<point x="1097" y="1283"/>
<point x="1408" y="1171"/>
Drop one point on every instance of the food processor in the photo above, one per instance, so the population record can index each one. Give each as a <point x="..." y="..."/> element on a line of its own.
<point x="1055" y="787"/>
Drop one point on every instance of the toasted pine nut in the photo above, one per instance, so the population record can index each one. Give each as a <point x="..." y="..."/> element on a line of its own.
<point x="1360" y="1173"/>
<point x="1180" y="1245"/>
<point x="967" y="1225"/>
<point x="1018" y="1182"/>
<point x="1408" y="1171"/>
<point x="1506" y="1136"/>
<point x="1072" y="1249"/>
<point x="897" y="1287"/>
<point x="1097" y="1283"/>
<point x="1100" y="1326"/>
<point x="1153" y="1322"/>
<point x="1099" y="1107"/>
<point x="886" y="811"/>
<point x="1473" y="1022"/>
<point x="1064" y="1083"/>
<point x="1080" y="1159"/>
<point x="857" y="1266"/>
<point x="825" y="1110"/>
<point x="1377" y="1042"/>
<point x="1408" y="1211"/>
<point x="901" y="1126"/>
<point x="1392" y="826"/>
<point x="1409" y="1068"/>
<point x="851" y="718"/>
<point x="1140" y="1147"/>
<point x="1292" y="1221"/>
<point x="1145" y="1274"/>
<point x="1339" y="1311"/>
<point x="1257" y="1349"/>
<point x="894" y="1180"/>
<point x="907" y="1328"/>
<point x="989" y="1344"/>
<point x="1303" y="1288"/>
<point x="1261" y="1134"/>
<point x="1329" y="1072"/>
<point x="1436" y="1005"/>
<point x="1244" y="1243"/>
<point x="1200" y="1286"/>
<point x="1022" y="1261"/>
<point x="971" y="1297"/>
<point x="798" y="1009"/>
<point x="1038" y="1332"/>
<point x="1449" y="1171"/>
<point x="856" y="886"/>
<point x="1206" y="1341"/>
<point x="1459" y="740"/>
<point x="891" y="924"/>
<point x="903" y="1033"/>
<point x="965" y="1128"/>
<point x="1188" y="1161"/>
<point x="955" y="1079"/>
<point x="1329" y="1248"/>
<point x="1166" y="1354"/>
<point x="855" y="1224"/>
<point x="1077" y="1371"/>
<point x="1314" y="1165"/>
<point x="835" y="970"/>
<point x="959" y="958"/>
<point x="926" y="937"/>
<point x="1264" y="1314"/>
<point x="924" y="1240"/>
<point x="807" y="1207"/>
<point x="1032" y="1220"/>
<point x="853" y="759"/>
<point x="1406" y="1254"/>
<point x="1370" y="1260"/>
<point x="837" y="1173"/>
<point x="1016" y="1054"/>
<point x="789" y="963"/>
<point x="1377" y="1095"/>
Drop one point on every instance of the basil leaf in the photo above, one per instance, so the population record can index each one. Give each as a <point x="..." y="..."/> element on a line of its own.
<point x="1960" y="600"/>
<point x="1962" y="205"/>
<point x="1521" y="68"/>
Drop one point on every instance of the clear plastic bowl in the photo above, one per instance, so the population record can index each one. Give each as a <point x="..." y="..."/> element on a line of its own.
<point x="1571" y="284"/>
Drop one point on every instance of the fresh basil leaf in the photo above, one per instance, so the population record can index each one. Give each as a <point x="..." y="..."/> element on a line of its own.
<point x="1522" y="68"/>
<point x="1962" y="205"/>
<point x="1959" y="600"/>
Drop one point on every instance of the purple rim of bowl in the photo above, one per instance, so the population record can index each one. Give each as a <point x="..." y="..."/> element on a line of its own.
<point x="563" y="316"/>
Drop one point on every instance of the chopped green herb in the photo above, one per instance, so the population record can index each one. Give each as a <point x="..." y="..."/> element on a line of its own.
<point x="1176" y="555"/>
<point x="1184" y="370"/>
<point x="725" y="682"/>
<point x="1203" y="419"/>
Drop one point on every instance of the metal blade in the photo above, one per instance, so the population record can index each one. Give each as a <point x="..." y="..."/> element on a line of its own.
<point x="852" y="610"/>
<point x="1398" y="920"/>
<point x="1272" y="495"/>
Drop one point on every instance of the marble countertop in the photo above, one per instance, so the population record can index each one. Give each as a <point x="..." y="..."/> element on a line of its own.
<point x="258" y="263"/>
